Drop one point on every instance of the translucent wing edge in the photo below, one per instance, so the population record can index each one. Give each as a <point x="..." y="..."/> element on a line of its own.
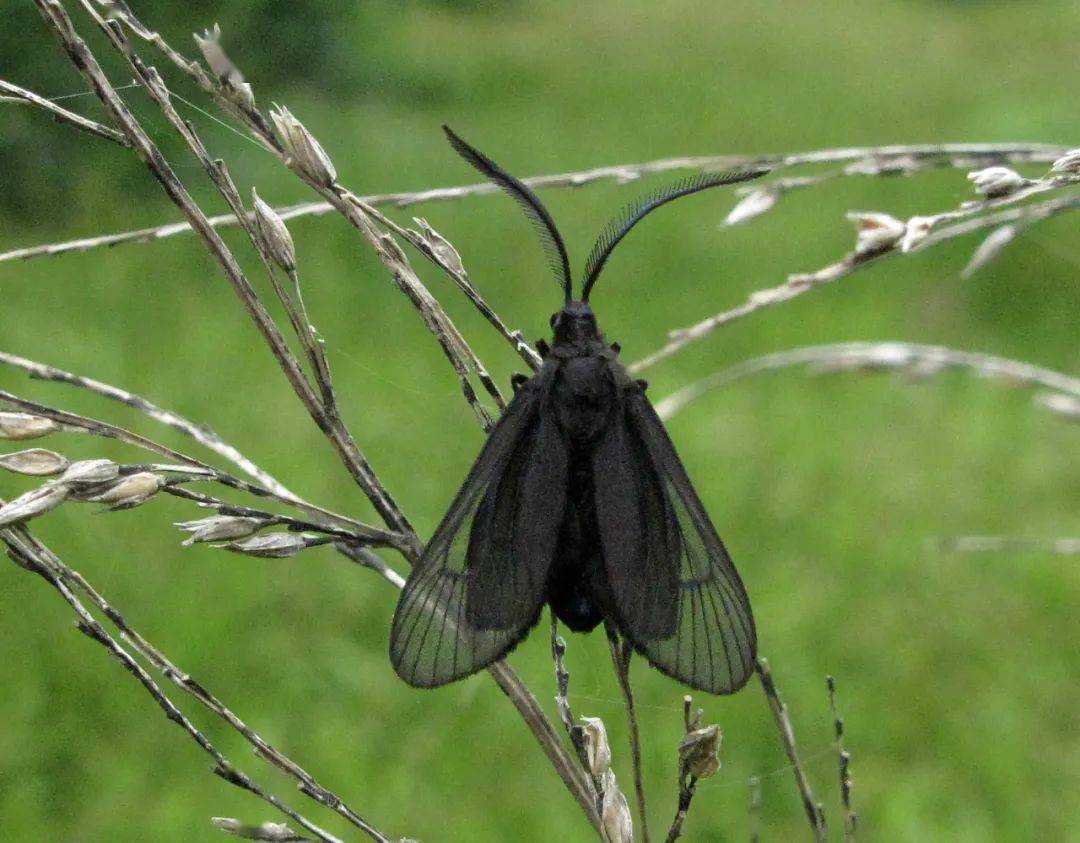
<point x="434" y="587"/>
<point x="735" y="604"/>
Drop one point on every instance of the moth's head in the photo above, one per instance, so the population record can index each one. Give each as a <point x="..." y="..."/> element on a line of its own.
<point x="574" y="324"/>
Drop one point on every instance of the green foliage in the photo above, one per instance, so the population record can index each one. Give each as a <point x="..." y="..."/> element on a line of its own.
<point x="956" y="673"/>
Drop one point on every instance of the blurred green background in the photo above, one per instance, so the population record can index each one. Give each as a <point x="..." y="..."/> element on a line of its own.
<point x="957" y="674"/>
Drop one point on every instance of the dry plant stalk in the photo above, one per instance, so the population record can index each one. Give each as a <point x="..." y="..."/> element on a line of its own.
<point x="13" y="93"/>
<point x="851" y="819"/>
<point x="1002" y="544"/>
<point x="249" y="530"/>
<point x="314" y="397"/>
<point x="865" y="161"/>
<point x="909" y="359"/>
<point x="28" y="552"/>
<point x="814" y="811"/>
<point x="621" y="654"/>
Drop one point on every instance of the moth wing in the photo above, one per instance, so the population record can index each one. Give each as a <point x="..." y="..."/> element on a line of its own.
<point x="481" y="582"/>
<point x="676" y="594"/>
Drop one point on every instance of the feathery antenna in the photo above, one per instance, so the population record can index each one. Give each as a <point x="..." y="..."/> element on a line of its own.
<point x="550" y="238"/>
<point x="632" y="214"/>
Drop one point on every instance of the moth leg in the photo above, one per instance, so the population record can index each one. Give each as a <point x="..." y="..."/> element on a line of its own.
<point x="643" y="384"/>
<point x="543" y="347"/>
<point x="616" y="347"/>
<point x="518" y="380"/>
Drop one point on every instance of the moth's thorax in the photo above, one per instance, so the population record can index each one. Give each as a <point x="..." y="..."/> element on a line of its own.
<point x="587" y="375"/>
<point x="583" y="395"/>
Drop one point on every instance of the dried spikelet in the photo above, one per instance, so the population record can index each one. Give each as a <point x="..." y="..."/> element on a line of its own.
<point x="391" y="250"/>
<point x="1069" y="163"/>
<point x="989" y="249"/>
<point x="1066" y="406"/>
<point x="221" y="528"/>
<point x="305" y="152"/>
<point x="273" y="234"/>
<point x="34" y="503"/>
<point x="875" y="231"/>
<point x="37" y="462"/>
<point x="615" y="812"/>
<point x="755" y="203"/>
<point x="442" y="248"/>
<point x="272" y="546"/>
<point x="232" y="80"/>
<point x="992" y="182"/>
<point x="90" y="472"/>
<point x="17" y="426"/>
<point x="274" y="832"/>
<point x="130" y="491"/>
<point x="597" y="749"/>
<point x="917" y="230"/>
<point x="699" y="751"/>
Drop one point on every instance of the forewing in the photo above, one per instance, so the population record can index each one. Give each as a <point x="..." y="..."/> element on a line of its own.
<point x="676" y="593"/>
<point x="480" y="583"/>
<point x="638" y="533"/>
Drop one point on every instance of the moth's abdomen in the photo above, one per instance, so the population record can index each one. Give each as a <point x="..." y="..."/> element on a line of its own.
<point x="571" y="585"/>
<point x="573" y="604"/>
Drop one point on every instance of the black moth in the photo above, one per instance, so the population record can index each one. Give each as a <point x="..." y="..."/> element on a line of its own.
<point x="577" y="500"/>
